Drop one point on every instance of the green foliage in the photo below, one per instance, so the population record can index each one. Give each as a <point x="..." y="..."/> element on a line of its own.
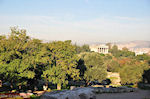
<point x="114" y="50"/>
<point x="113" y="66"/>
<point x="109" y="46"/>
<point x="24" y="60"/>
<point x="121" y="53"/>
<point x="82" y="68"/>
<point x="130" y="67"/>
<point x="107" y="57"/>
<point x="21" y="58"/>
<point x="132" y="72"/>
<point x="83" y="48"/>
<point x="126" y="53"/>
<point x="143" y="57"/>
<point x="35" y="97"/>
<point x="95" y="70"/>
<point x="64" y="63"/>
<point x="12" y="57"/>
<point x="146" y="76"/>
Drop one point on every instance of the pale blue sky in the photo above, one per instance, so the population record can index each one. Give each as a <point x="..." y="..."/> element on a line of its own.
<point x="81" y="21"/>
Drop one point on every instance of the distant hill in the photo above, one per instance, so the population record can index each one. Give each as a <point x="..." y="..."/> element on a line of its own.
<point x="134" y="44"/>
<point x="138" y="47"/>
<point x="130" y="44"/>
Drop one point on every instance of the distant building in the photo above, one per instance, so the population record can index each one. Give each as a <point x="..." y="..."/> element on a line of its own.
<point x="100" y="48"/>
<point x="140" y="51"/>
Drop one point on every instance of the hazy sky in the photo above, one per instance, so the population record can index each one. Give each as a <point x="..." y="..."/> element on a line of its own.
<point x="81" y="21"/>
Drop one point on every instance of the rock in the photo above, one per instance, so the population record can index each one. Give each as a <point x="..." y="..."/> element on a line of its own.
<point x="93" y="97"/>
<point x="99" y="90"/>
<point x="84" y="93"/>
<point x="83" y="96"/>
<point x="77" y="93"/>
<point x="72" y="87"/>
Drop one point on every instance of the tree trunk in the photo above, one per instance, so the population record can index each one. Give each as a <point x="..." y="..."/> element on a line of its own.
<point x="87" y="83"/>
<point x="1" y="83"/>
<point x="19" y="87"/>
<point x="58" y="86"/>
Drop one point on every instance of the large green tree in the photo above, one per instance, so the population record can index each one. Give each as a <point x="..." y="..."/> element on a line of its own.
<point x="63" y="65"/>
<point x="22" y="59"/>
<point x="95" y="68"/>
<point x="13" y="65"/>
<point x="132" y="72"/>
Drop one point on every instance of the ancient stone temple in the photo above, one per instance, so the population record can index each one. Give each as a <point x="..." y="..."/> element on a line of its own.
<point x="99" y="48"/>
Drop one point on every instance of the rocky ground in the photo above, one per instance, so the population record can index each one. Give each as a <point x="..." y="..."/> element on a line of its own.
<point x="96" y="93"/>
<point x="138" y="94"/>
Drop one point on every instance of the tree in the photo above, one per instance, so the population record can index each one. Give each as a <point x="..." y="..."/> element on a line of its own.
<point x="121" y="53"/>
<point x="63" y="65"/>
<point x="95" y="70"/>
<point x="115" y="51"/>
<point x="126" y="53"/>
<point x="113" y="66"/>
<point x="143" y="57"/>
<point x="81" y="66"/>
<point x="132" y="72"/>
<point x="83" y="48"/>
<point x="109" y="46"/>
<point x="22" y="59"/>
<point x="146" y="77"/>
<point x="13" y="56"/>
<point x="37" y="56"/>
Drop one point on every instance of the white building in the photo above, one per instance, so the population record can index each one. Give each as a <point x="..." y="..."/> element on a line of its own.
<point x="140" y="51"/>
<point x="99" y="48"/>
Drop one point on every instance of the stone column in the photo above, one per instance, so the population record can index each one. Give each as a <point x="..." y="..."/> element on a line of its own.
<point x="104" y="50"/>
<point x="99" y="50"/>
<point x="107" y="50"/>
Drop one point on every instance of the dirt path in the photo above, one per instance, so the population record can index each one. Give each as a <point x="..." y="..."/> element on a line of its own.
<point x="139" y="94"/>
